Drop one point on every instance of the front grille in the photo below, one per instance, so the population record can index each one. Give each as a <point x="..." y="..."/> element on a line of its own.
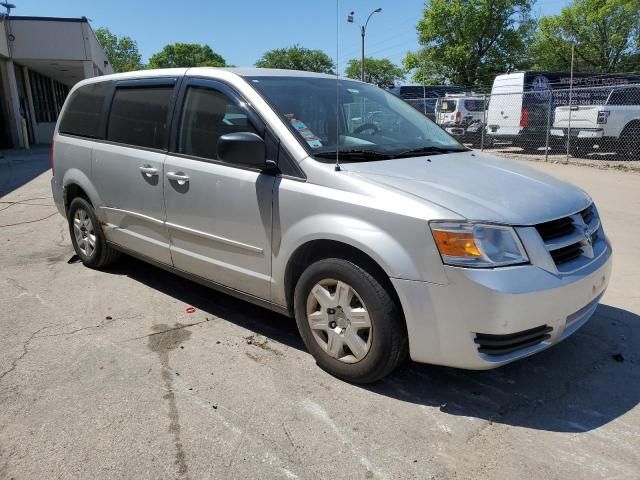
<point x="564" y="238"/>
<point x="566" y="254"/>
<point x="502" y="344"/>
<point x="555" y="228"/>
<point x="587" y="214"/>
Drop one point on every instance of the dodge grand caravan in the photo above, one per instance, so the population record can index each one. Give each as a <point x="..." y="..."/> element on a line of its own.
<point x="385" y="240"/>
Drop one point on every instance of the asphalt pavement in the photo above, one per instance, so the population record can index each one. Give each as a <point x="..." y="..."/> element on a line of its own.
<point x="106" y="374"/>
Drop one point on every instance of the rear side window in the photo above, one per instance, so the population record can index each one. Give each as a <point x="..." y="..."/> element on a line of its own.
<point x="449" y="105"/>
<point x="627" y="96"/>
<point x="139" y="116"/>
<point x="83" y="114"/>
<point x="617" y="98"/>
<point x="474" y="105"/>
<point x="206" y="116"/>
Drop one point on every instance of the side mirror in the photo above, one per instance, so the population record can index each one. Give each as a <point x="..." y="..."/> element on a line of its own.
<point x="243" y="148"/>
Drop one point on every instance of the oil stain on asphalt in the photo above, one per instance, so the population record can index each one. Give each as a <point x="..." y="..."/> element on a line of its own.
<point x="162" y="341"/>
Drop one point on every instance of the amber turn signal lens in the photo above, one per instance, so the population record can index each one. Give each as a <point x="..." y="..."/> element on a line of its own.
<point x="456" y="244"/>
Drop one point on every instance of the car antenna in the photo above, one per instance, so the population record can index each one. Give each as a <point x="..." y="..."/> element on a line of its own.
<point x="337" y="167"/>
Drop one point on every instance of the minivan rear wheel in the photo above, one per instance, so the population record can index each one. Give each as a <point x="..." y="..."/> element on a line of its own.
<point x="349" y="322"/>
<point x="87" y="237"/>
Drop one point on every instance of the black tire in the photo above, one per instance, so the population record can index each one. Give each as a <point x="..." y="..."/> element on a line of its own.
<point x="102" y="255"/>
<point x="389" y="341"/>
<point x="531" y="149"/>
<point x="629" y="143"/>
<point x="578" y="149"/>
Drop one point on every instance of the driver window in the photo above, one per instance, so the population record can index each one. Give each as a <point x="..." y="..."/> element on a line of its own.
<point x="206" y="116"/>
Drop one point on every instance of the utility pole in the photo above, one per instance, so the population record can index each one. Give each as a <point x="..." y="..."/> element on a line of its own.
<point x="363" y="33"/>
<point x="573" y="46"/>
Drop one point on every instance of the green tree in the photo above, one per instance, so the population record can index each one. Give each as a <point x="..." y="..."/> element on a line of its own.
<point x="122" y="52"/>
<point x="296" y="58"/>
<point x="467" y="42"/>
<point x="186" y="55"/>
<point x="381" y="72"/>
<point x="606" y="34"/>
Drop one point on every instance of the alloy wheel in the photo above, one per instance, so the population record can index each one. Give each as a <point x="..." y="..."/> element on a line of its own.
<point x="84" y="232"/>
<point x="339" y="320"/>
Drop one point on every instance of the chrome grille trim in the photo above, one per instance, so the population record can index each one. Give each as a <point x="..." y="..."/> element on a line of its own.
<point x="571" y="239"/>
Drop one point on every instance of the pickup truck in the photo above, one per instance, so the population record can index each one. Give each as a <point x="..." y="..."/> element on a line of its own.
<point x="614" y="125"/>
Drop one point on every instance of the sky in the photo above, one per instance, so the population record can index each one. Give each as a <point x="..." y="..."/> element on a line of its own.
<point x="242" y="30"/>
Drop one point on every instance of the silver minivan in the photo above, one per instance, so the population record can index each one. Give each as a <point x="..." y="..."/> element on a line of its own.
<point x="384" y="238"/>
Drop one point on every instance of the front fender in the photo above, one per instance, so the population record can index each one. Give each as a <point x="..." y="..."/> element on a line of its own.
<point x="399" y="253"/>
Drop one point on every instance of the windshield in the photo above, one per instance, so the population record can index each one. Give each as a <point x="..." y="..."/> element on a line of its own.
<point x="369" y="124"/>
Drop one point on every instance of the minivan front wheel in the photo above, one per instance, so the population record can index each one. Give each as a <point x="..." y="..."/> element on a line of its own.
<point x="349" y="322"/>
<point x="87" y="237"/>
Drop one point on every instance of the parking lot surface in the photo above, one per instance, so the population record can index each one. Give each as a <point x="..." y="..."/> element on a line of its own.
<point x="105" y="374"/>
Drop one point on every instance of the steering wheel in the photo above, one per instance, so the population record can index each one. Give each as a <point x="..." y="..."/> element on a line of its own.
<point x="367" y="126"/>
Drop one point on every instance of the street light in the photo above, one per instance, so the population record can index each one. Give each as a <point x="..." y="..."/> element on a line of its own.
<point x="363" y="32"/>
<point x="8" y="6"/>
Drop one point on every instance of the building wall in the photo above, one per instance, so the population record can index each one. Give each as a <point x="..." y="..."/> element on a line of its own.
<point x="95" y="51"/>
<point x="35" y="39"/>
<point x="44" y="55"/>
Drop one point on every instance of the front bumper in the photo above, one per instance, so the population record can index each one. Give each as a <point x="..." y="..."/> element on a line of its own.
<point x="443" y="320"/>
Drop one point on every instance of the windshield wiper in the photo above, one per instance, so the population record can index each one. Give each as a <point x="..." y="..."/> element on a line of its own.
<point x="428" y="150"/>
<point x="355" y="155"/>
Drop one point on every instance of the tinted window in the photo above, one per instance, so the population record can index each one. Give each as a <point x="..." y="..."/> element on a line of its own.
<point x="629" y="96"/>
<point x="449" y="105"/>
<point x="139" y="116"/>
<point x="474" y="105"/>
<point x="208" y="114"/>
<point x="84" y="110"/>
<point x="617" y="98"/>
<point x="633" y="96"/>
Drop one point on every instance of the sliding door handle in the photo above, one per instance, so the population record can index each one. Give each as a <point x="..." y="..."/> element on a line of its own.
<point x="148" y="170"/>
<point x="179" y="177"/>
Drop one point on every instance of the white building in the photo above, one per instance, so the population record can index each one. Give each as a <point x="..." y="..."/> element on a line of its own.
<point x="40" y="60"/>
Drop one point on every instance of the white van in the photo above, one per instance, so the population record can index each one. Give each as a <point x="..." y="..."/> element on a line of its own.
<point x="462" y="115"/>
<point x="459" y="109"/>
<point x="522" y="103"/>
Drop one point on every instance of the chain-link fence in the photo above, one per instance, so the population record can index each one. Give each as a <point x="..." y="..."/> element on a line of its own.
<point x="598" y="122"/>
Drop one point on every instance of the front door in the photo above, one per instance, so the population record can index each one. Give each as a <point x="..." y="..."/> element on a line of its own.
<point x="218" y="215"/>
<point x="128" y="168"/>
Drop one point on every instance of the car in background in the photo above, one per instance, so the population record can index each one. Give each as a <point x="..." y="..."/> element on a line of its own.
<point x="613" y="125"/>
<point x="521" y="106"/>
<point x="462" y="115"/>
<point x="424" y="97"/>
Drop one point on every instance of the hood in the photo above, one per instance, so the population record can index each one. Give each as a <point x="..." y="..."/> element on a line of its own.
<point x="477" y="186"/>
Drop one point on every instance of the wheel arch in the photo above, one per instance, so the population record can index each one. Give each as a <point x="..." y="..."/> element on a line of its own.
<point x="77" y="184"/>
<point x="314" y="250"/>
<point x="635" y="122"/>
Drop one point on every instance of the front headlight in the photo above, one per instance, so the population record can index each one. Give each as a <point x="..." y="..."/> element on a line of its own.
<point x="480" y="245"/>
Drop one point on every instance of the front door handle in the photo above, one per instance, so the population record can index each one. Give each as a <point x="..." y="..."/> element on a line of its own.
<point x="179" y="177"/>
<point x="148" y="170"/>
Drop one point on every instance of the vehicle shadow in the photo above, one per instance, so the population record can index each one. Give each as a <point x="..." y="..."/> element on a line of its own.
<point x="264" y="322"/>
<point x="587" y="381"/>
<point x="18" y="167"/>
